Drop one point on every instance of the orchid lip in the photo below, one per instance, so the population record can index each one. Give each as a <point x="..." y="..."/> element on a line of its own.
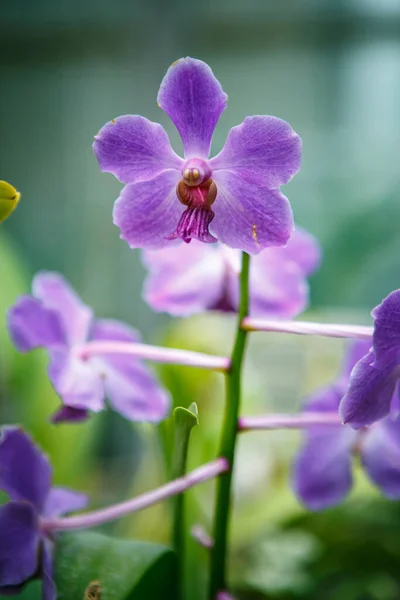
<point x="194" y="223"/>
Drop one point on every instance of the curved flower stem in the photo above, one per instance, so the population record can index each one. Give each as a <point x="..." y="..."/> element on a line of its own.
<point x="288" y="421"/>
<point x="154" y="353"/>
<point x="307" y="328"/>
<point x="116" y="511"/>
<point x="228" y="441"/>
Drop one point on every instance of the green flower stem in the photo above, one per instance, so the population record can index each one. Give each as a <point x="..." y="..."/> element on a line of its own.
<point x="228" y="442"/>
<point x="184" y="419"/>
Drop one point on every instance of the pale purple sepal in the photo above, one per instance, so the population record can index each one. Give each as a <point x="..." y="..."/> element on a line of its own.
<point x="183" y="280"/>
<point x="262" y="150"/>
<point x="194" y="100"/>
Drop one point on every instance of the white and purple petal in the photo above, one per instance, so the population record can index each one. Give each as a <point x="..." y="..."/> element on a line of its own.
<point x="248" y="216"/>
<point x="76" y="381"/>
<point x="369" y="395"/>
<point x="57" y="295"/>
<point x="263" y="150"/>
<point x="19" y="543"/>
<point x="148" y="211"/>
<point x="25" y="472"/>
<point x="194" y="100"/>
<point x="134" y="149"/>
<point x="31" y="325"/>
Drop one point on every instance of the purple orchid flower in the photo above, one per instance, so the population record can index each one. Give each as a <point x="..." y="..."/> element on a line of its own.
<point x="26" y="551"/>
<point x="322" y="471"/>
<point x="233" y="197"/>
<point x="56" y="319"/>
<point x="373" y="390"/>
<point x="183" y="281"/>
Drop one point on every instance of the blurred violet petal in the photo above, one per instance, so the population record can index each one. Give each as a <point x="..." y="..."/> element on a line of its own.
<point x="68" y="413"/>
<point x="386" y="337"/>
<point x="110" y="329"/>
<point x="134" y="149"/>
<point x="31" y="325"/>
<point x="322" y="470"/>
<point x="380" y="455"/>
<point x="57" y="295"/>
<point x="369" y="394"/>
<point x="183" y="280"/>
<point x="136" y="396"/>
<point x="355" y="352"/>
<point x="49" y="590"/>
<point x="25" y="473"/>
<point x="194" y="100"/>
<point x="248" y="216"/>
<point x="19" y="543"/>
<point x="129" y="385"/>
<point x="62" y="500"/>
<point x="263" y="150"/>
<point x="77" y="383"/>
<point x="304" y="249"/>
<point x="186" y="279"/>
<point x="148" y="211"/>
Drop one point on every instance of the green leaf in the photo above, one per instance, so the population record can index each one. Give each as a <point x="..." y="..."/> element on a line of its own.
<point x="124" y="569"/>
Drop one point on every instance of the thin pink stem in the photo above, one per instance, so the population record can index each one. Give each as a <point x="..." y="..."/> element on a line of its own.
<point x="288" y="421"/>
<point x="307" y="328"/>
<point x="116" y="511"/>
<point x="155" y="353"/>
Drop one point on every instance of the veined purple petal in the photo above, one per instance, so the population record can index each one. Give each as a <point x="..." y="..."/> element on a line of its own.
<point x="25" y="473"/>
<point x="194" y="100"/>
<point x="386" y="337"/>
<point x="77" y="382"/>
<point x="322" y="471"/>
<point x="148" y="211"/>
<point x="186" y="279"/>
<point x="380" y="455"/>
<point x="19" y="543"/>
<point x="263" y="150"/>
<point x="31" y="325"/>
<point x="49" y="591"/>
<point x="249" y="217"/>
<point x="369" y="393"/>
<point x="57" y="295"/>
<point x="134" y="149"/>
<point x="62" y="500"/>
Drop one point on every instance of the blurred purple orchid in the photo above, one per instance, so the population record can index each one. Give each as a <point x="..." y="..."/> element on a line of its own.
<point x="322" y="471"/>
<point x="183" y="281"/>
<point x="233" y="197"/>
<point x="55" y="318"/>
<point x="26" y="551"/>
<point x="373" y="390"/>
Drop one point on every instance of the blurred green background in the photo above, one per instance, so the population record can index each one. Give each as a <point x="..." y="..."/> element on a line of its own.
<point x="332" y="69"/>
